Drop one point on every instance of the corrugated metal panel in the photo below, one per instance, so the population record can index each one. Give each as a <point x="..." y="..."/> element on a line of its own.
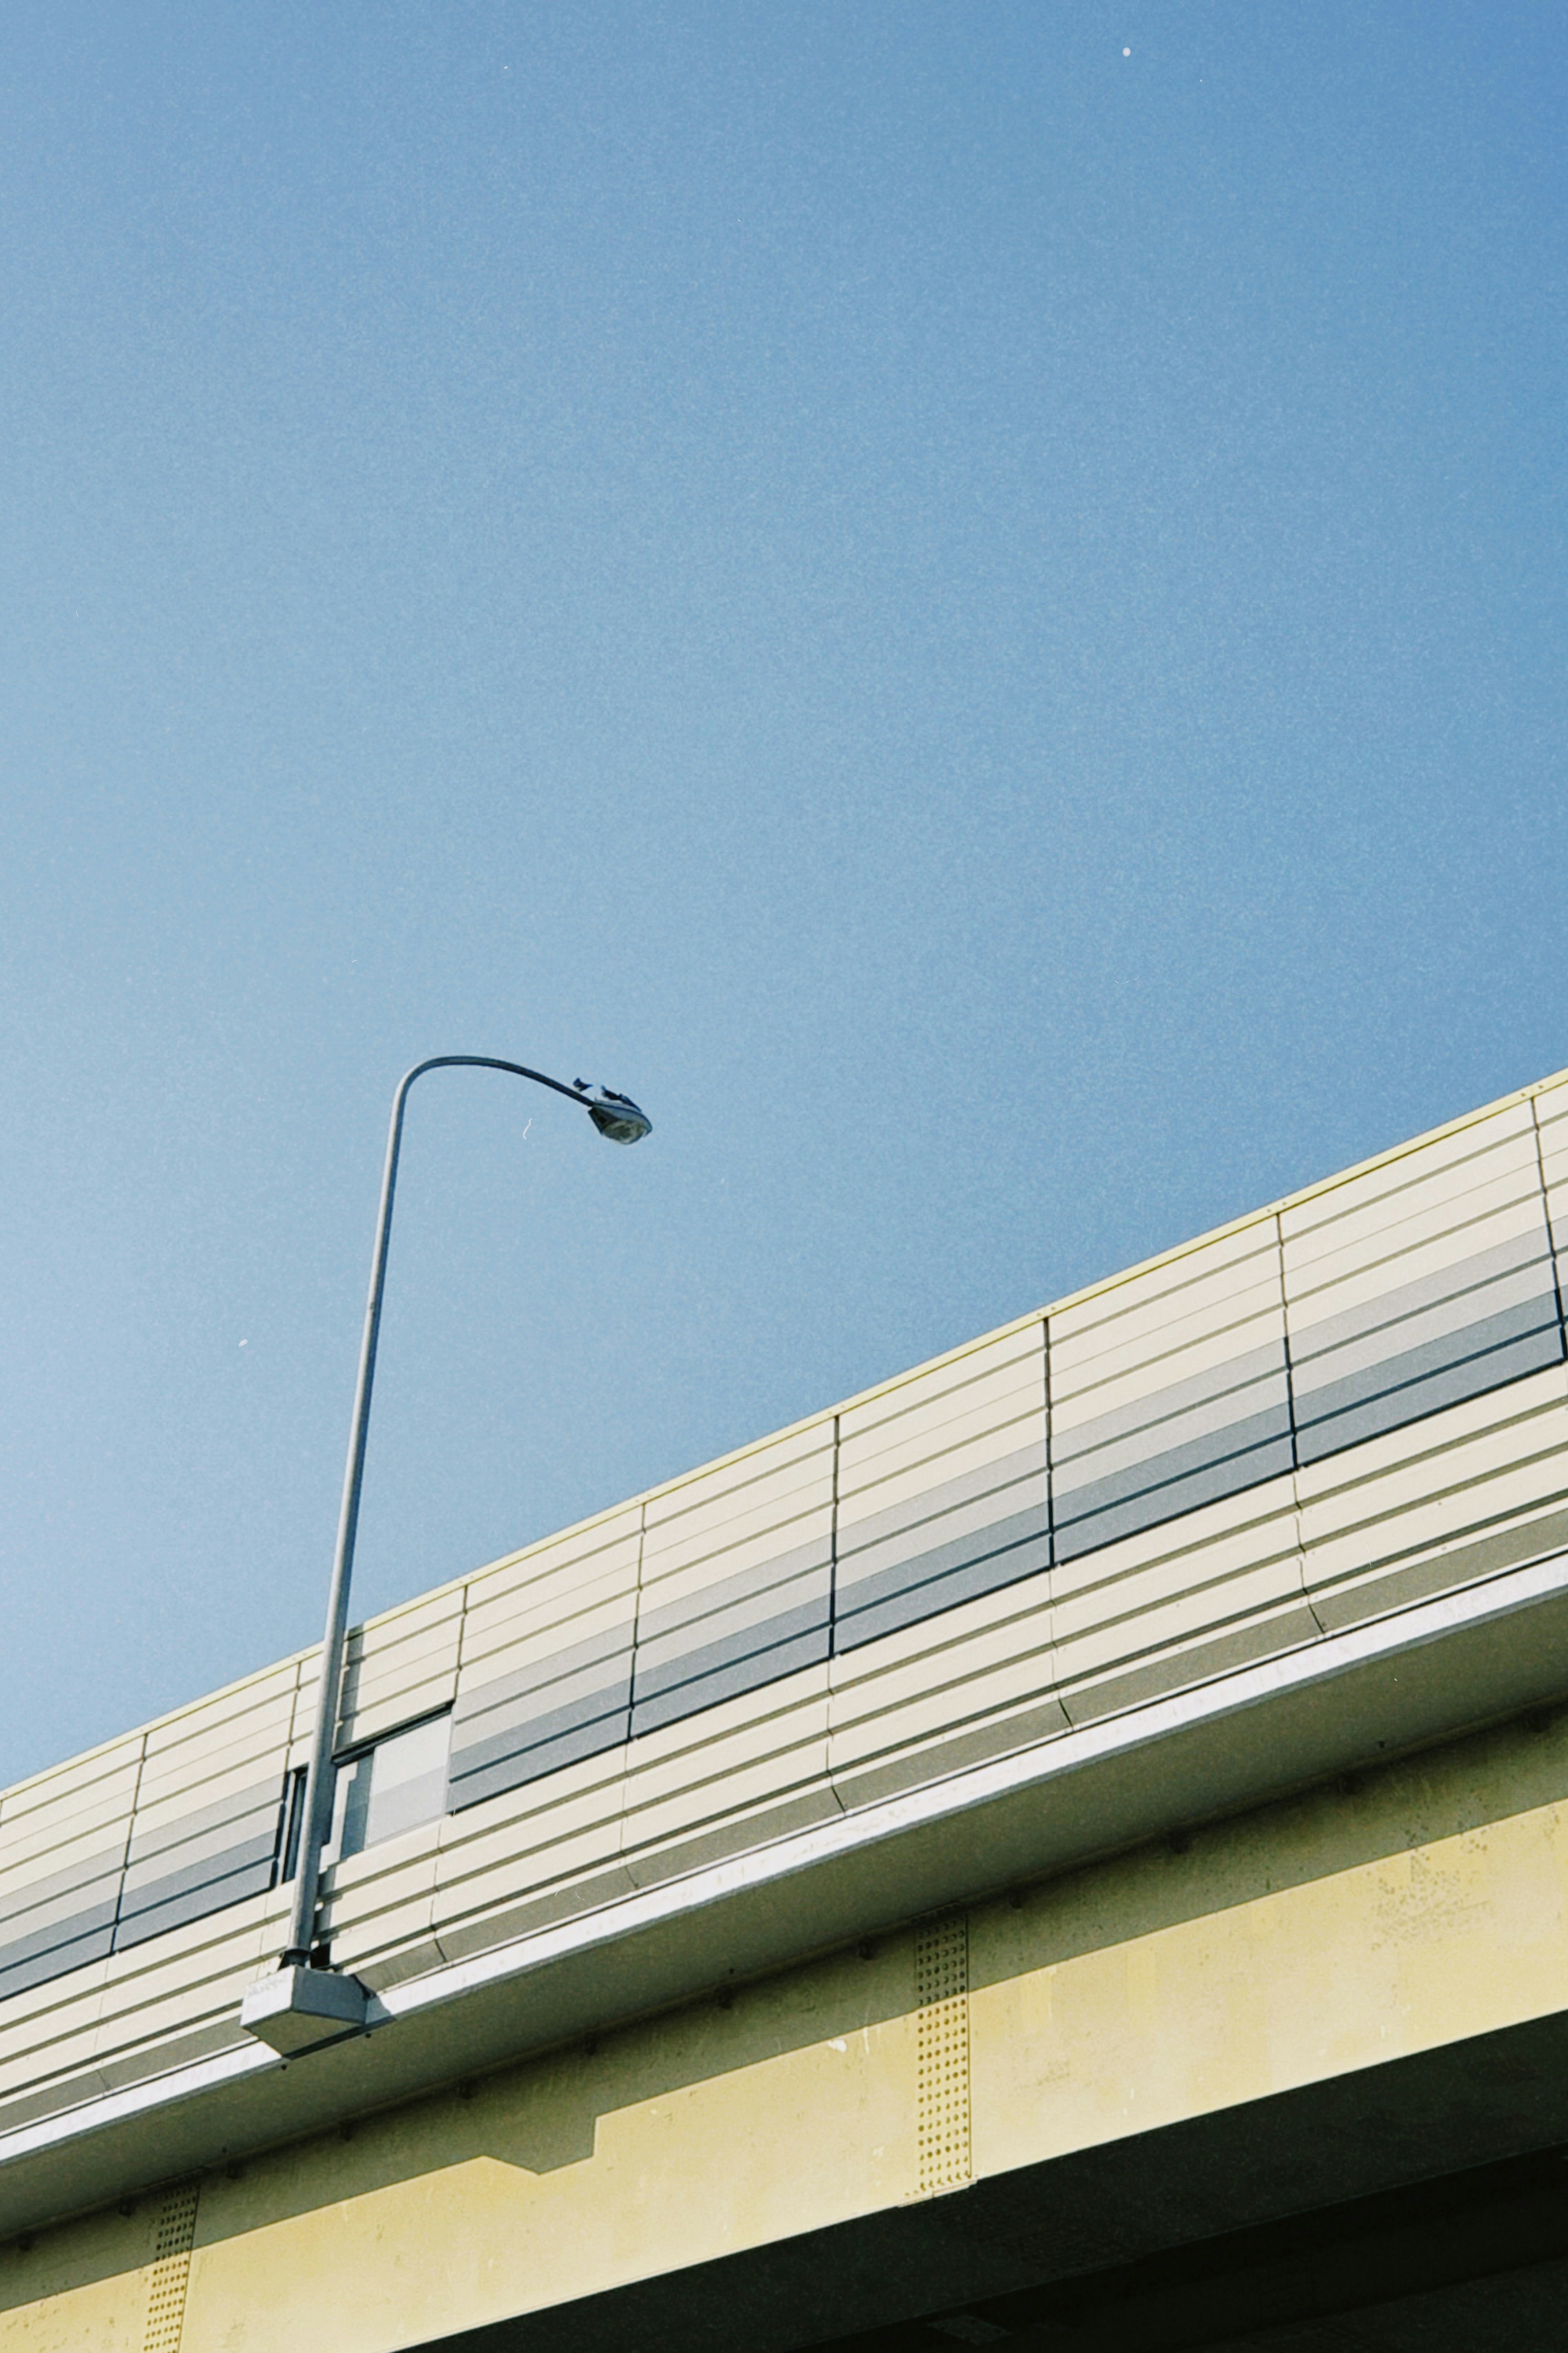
<point x="737" y="1578"/>
<point x="942" y="1489"/>
<point x="62" y="1851"/>
<point x="736" y="1593"/>
<point x="403" y="1666"/>
<point x="209" y="1808"/>
<point x="1418" y="1284"/>
<point x="943" y="1693"/>
<point x="1169" y="1392"/>
<point x="656" y="1688"/>
<point x="545" y="1676"/>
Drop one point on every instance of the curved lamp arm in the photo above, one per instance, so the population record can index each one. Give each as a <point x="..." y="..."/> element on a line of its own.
<point x="614" y="1116"/>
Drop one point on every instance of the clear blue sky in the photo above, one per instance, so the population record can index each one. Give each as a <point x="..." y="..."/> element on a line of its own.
<point x="966" y="599"/>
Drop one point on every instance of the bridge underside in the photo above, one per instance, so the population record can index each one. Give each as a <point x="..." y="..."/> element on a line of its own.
<point x="1421" y="2207"/>
<point x="1295" y="2078"/>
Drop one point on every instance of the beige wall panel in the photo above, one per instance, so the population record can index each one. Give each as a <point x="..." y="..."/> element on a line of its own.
<point x="1202" y="1658"/>
<point x="50" y="2030"/>
<point x="424" y="1620"/>
<point x="673" y="1573"/>
<point x="160" y="1820"/>
<point x="1165" y="1417"/>
<point x="874" y="1484"/>
<point x="1016" y="1706"/>
<point x="1443" y="1184"/>
<point x="257" y="1738"/>
<point x="214" y="1715"/>
<point x="1093" y="1634"/>
<point x="588" y="1549"/>
<point x="1146" y="1381"/>
<point x="401" y="1667"/>
<point x="931" y="1470"/>
<point x="520" y="1908"/>
<point x="211" y="1947"/>
<point x="536" y="1854"/>
<point x="387" y="1916"/>
<point x="99" y="1852"/>
<point x="1553" y="1110"/>
<point x="942" y="1417"/>
<point x="759" y="1815"/>
<point x="161" y="1993"/>
<point x="884" y="1672"/>
<point x="510" y="1650"/>
<point x="735" y="1755"/>
<point x="546" y="1589"/>
<point x="1258" y="1523"/>
<point x="504" y="1835"/>
<point x="991" y="1668"/>
<point x="1500" y="1492"/>
<point x="711" y="1509"/>
<point x="922" y="1389"/>
<point x="680" y="1581"/>
<point x="392" y="1707"/>
<point x="79" y="1821"/>
<point x="1427" y="1461"/>
<point x="565" y="1880"/>
<point x="1192" y="1286"/>
<point x="1135" y="1354"/>
<point x="1351" y="1282"/>
<point x="69" y="1790"/>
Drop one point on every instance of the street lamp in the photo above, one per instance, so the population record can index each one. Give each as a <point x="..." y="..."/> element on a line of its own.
<point x="300" y="2006"/>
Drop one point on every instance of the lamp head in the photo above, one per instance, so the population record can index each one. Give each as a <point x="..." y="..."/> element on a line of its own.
<point x="614" y="1115"/>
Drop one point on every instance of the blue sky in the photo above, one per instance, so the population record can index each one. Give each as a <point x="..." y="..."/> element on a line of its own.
<point x="967" y="601"/>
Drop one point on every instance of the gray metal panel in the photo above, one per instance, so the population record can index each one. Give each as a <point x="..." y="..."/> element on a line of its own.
<point x="906" y="1603"/>
<point x="657" y="1680"/>
<point x="206" y="1886"/>
<point x="208" y="1848"/>
<point x="1160" y="1472"/>
<point x="929" y="1568"/>
<point x="730" y="1680"/>
<point x="1414" y="1364"/>
<point x="253" y="1877"/>
<point x="1414" y="1399"/>
<point x="1160" y="1405"/>
<point x="73" y="1889"/>
<point x="527" y="1730"/>
<point x="1469" y="1274"/>
<point x="706" y="1602"/>
<point x="1211" y="1484"/>
<point x="533" y="1764"/>
<point x="522" y="1682"/>
<point x="744" y="1621"/>
<point x="942" y="1496"/>
<point x="53" y="1936"/>
<point x="58" y="1961"/>
<point x="956" y="1533"/>
<point x="1441" y="1330"/>
<point x="203" y="1821"/>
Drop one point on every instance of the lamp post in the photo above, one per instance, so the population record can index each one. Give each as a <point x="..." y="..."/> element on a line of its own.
<point x="299" y="2005"/>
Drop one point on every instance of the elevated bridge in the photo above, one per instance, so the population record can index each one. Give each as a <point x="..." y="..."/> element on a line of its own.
<point x="1065" y="1850"/>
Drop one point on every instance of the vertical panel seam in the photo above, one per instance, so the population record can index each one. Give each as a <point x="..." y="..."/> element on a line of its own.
<point x="130" y="1837"/>
<point x="1546" y="1220"/>
<point x="832" y="1550"/>
<point x="1050" y="1474"/>
<point x="1291" y="1416"/>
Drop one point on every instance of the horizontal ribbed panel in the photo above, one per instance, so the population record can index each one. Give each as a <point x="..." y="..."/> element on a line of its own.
<point x="1333" y="1408"/>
